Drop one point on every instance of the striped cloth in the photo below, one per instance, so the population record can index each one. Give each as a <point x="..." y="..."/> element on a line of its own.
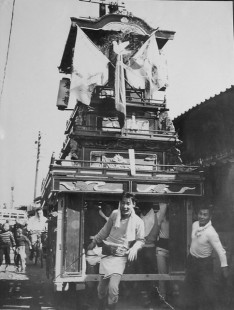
<point x="7" y="239"/>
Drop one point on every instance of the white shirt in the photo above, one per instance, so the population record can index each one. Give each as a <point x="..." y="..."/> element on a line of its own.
<point x="204" y="240"/>
<point x="36" y="223"/>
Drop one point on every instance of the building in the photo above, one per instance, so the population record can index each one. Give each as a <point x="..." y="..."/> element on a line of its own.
<point x="207" y="132"/>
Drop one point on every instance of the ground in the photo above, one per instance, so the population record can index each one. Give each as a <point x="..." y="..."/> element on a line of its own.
<point x="32" y="290"/>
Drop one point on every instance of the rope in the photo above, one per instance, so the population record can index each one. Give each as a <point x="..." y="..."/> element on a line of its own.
<point x="60" y="274"/>
<point x="163" y="299"/>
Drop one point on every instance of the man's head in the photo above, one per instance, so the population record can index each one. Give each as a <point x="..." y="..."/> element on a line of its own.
<point x="39" y="212"/>
<point x="108" y="209"/>
<point x="204" y="215"/>
<point x="127" y="204"/>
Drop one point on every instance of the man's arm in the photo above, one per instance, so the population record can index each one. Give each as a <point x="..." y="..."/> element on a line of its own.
<point x="29" y="225"/>
<point x="154" y="231"/>
<point x="140" y="240"/>
<point x="161" y="212"/>
<point x="217" y="246"/>
<point x="45" y="224"/>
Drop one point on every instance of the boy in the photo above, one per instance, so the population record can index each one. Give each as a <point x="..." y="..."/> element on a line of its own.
<point x="20" y="255"/>
<point x="6" y="241"/>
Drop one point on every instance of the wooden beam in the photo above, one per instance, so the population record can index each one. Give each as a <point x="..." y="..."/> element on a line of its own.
<point x="126" y="277"/>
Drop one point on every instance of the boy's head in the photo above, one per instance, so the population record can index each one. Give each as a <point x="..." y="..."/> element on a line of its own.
<point x="6" y="226"/>
<point x="19" y="232"/>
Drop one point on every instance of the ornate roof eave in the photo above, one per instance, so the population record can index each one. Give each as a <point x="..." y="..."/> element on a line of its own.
<point x="110" y="23"/>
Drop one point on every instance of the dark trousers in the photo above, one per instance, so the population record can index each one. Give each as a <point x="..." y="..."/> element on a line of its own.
<point x="5" y="251"/>
<point x="198" y="287"/>
<point x="146" y="263"/>
<point x="146" y="260"/>
<point x="17" y="260"/>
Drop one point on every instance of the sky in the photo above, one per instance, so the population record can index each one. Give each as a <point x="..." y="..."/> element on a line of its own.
<point x="200" y="64"/>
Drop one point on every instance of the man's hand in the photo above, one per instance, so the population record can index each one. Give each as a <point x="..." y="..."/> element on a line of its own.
<point x="132" y="254"/>
<point x="225" y="272"/>
<point x="92" y="245"/>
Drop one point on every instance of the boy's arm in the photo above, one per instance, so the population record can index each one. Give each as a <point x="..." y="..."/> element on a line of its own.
<point x="28" y="241"/>
<point x="12" y="240"/>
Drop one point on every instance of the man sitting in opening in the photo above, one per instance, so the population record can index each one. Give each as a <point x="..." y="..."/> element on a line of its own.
<point x="123" y="236"/>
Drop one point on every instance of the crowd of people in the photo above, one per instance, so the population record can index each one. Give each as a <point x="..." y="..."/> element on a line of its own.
<point x="18" y="237"/>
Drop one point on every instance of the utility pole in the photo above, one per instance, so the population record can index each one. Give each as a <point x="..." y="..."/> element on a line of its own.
<point x="38" y="142"/>
<point x="12" y="197"/>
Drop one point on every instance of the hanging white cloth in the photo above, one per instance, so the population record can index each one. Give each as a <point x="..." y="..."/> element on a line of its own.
<point x="90" y="68"/>
<point x="120" y="91"/>
<point x="148" y="65"/>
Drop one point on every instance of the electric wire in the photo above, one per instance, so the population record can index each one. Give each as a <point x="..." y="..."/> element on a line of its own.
<point x="8" y="49"/>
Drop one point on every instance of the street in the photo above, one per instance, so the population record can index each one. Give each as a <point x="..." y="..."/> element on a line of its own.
<point x="32" y="290"/>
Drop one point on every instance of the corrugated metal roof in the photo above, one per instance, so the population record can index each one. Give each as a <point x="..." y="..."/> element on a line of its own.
<point x="203" y="103"/>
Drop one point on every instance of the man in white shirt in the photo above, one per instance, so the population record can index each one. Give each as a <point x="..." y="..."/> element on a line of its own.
<point x="123" y="236"/>
<point x="36" y="225"/>
<point x="199" y="274"/>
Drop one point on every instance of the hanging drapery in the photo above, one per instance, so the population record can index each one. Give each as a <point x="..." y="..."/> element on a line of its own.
<point x="120" y="91"/>
<point x="90" y="68"/>
<point x="147" y="69"/>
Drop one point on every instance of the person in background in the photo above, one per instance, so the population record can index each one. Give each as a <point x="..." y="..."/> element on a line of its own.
<point x="198" y="284"/>
<point x="122" y="237"/>
<point x="38" y="221"/>
<point x="162" y="247"/>
<point x="105" y="211"/>
<point x="20" y="254"/>
<point x="6" y="242"/>
<point x="36" y="225"/>
<point x="16" y="226"/>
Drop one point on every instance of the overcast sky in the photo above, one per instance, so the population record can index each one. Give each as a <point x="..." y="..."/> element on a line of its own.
<point x="200" y="60"/>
